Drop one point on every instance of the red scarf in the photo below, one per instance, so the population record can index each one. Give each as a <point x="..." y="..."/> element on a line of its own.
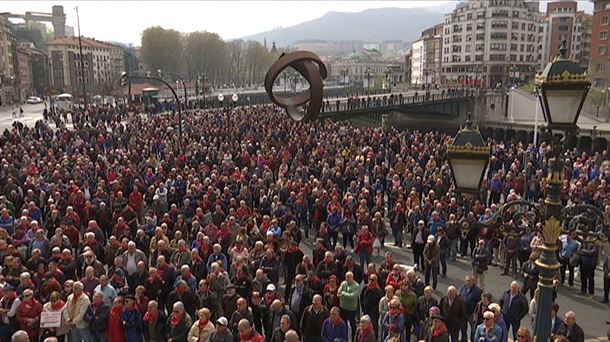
<point x="175" y="320"/>
<point x="337" y="321"/>
<point x="436" y="332"/>
<point x="394" y="312"/>
<point x="150" y="317"/>
<point x="373" y="285"/>
<point x="202" y="324"/>
<point x="365" y="333"/>
<point x="58" y="305"/>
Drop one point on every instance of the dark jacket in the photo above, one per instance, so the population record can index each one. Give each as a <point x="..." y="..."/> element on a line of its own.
<point x="306" y="299"/>
<point x="99" y="320"/>
<point x="455" y="315"/>
<point x="179" y="333"/>
<point x="159" y="327"/>
<point x="432" y="254"/>
<point x="311" y="322"/>
<point x="471" y="297"/>
<point x="422" y="309"/>
<point x="573" y="335"/>
<point x="369" y="299"/>
<point x="517" y="310"/>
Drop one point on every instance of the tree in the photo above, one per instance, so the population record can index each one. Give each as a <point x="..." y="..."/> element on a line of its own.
<point x="30" y="35"/>
<point x="162" y="49"/>
<point x="597" y="98"/>
<point x="207" y="55"/>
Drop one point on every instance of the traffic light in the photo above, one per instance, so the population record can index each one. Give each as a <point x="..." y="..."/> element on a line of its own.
<point x="123" y="79"/>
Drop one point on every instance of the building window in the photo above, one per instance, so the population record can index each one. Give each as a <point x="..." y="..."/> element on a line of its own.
<point x="605" y="20"/>
<point x="600" y="67"/>
<point x="602" y="50"/>
<point x="603" y="35"/>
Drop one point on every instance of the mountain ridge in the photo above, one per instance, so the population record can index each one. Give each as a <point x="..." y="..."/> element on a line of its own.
<point x="371" y="25"/>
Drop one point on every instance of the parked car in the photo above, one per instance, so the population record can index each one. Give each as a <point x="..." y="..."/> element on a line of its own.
<point x="34" y="100"/>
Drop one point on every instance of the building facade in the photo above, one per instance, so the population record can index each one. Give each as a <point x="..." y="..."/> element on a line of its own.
<point x="563" y="21"/>
<point x="492" y="43"/>
<point x="24" y="74"/>
<point x="103" y="64"/>
<point x="8" y="79"/>
<point x="427" y="56"/>
<point x="599" y="65"/>
<point x="366" y="69"/>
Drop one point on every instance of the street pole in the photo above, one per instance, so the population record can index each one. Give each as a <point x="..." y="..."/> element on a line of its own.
<point x="82" y="63"/>
<point x="547" y="263"/>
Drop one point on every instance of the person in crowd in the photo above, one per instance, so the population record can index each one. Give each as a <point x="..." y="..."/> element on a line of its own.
<point x="28" y="314"/>
<point x="569" y="329"/>
<point x="178" y="324"/>
<point x="76" y="307"/>
<point x="313" y="318"/>
<point x="334" y="327"/>
<point x="524" y="335"/>
<point x="203" y="328"/>
<point x="349" y="293"/>
<point x="514" y="307"/>
<point x="222" y="332"/>
<point x="247" y="333"/>
<point x="471" y="294"/>
<point x="488" y="331"/>
<point x="453" y="309"/>
<point x="365" y="332"/>
<point x="432" y="254"/>
<point x="55" y="304"/>
<point x="97" y="317"/>
<point x="153" y="323"/>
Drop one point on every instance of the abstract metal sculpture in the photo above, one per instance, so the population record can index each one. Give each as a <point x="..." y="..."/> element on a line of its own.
<point x="313" y="70"/>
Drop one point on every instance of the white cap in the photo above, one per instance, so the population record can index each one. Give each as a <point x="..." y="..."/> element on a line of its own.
<point x="222" y="321"/>
<point x="270" y="287"/>
<point x="431" y="238"/>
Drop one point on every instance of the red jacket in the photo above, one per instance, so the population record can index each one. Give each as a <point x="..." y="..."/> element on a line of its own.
<point x="27" y="310"/>
<point x="365" y="243"/>
<point x="252" y="337"/>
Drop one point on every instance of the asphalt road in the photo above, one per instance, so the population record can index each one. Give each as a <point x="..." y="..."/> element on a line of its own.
<point x="591" y="314"/>
<point x="31" y="113"/>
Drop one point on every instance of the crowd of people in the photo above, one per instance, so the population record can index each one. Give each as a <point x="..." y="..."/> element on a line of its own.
<point x="133" y="235"/>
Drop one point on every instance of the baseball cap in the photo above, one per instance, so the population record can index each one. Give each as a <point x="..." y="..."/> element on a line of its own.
<point x="222" y="321"/>
<point x="270" y="287"/>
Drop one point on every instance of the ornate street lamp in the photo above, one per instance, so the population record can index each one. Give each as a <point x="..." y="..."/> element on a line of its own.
<point x="562" y="89"/>
<point x="468" y="157"/>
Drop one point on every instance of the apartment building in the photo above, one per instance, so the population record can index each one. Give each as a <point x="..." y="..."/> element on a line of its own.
<point x="103" y="64"/>
<point x="599" y="64"/>
<point x="426" y="55"/>
<point x="8" y="79"/>
<point x="563" y="21"/>
<point x="492" y="43"/>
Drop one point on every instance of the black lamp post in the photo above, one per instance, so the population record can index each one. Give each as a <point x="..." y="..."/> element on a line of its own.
<point x="562" y="88"/>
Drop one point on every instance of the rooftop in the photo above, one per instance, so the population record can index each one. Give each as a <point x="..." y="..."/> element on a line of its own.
<point x="87" y="42"/>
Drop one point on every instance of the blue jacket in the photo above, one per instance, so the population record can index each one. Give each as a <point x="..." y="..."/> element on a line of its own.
<point x="471" y="297"/>
<point x="494" y="335"/>
<point x="389" y="321"/>
<point x="434" y="225"/>
<point x="556" y="325"/>
<point x="504" y="329"/>
<point x="334" y="334"/>
<point x="132" y="324"/>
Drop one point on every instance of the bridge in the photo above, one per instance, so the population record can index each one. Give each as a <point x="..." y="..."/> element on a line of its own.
<point x="57" y="17"/>
<point x="401" y="110"/>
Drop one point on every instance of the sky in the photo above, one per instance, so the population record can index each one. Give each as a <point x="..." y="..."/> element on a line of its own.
<point x="124" y="21"/>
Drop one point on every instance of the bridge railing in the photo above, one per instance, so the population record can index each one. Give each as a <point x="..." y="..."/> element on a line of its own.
<point x="388" y="101"/>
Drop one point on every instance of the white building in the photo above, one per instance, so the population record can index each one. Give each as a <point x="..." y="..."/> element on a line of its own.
<point x="418" y="51"/>
<point x="492" y="42"/>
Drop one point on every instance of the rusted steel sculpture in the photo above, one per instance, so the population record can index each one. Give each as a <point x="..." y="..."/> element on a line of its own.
<point x="313" y="70"/>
